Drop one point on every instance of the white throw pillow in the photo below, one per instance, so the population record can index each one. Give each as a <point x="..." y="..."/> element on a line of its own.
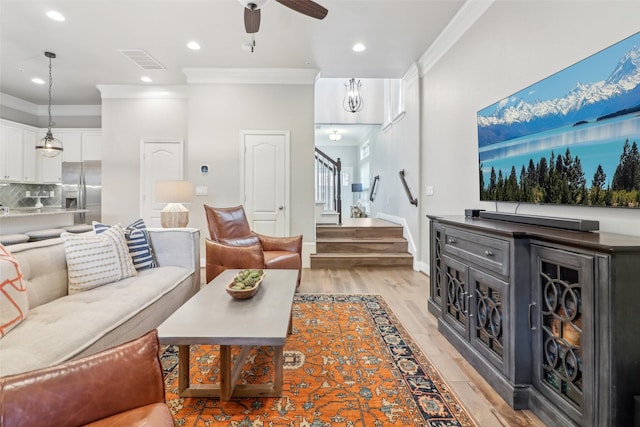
<point x="14" y="302"/>
<point x="95" y="260"/>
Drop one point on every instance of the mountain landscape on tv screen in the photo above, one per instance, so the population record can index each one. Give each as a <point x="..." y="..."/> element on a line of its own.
<point x="619" y="93"/>
<point x="579" y="146"/>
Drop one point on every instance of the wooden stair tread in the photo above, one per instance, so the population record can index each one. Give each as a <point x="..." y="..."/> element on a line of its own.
<point x="359" y="240"/>
<point x="368" y="242"/>
<point x="362" y="255"/>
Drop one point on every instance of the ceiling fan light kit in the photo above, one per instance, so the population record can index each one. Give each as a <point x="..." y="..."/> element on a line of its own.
<point x="353" y="98"/>
<point x="49" y="146"/>
<point x="252" y="13"/>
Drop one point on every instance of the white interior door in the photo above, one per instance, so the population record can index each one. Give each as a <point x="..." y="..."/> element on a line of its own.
<point x="159" y="160"/>
<point x="265" y="181"/>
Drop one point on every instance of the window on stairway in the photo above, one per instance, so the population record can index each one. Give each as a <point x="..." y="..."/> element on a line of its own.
<point x="365" y="151"/>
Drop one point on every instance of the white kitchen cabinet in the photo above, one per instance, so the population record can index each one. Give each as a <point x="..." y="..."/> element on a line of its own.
<point x="17" y="157"/>
<point x="48" y="169"/>
<point x="80" y="144"/>
<point x="72" y="143"/>
<point x="12" y="150"/>
<point x="19" y="161"/>
<point x="92" y="145"/>
<point x="29" y="139"/>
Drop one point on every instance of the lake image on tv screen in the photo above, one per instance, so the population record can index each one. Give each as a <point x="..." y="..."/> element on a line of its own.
<point x="571" y="138"/>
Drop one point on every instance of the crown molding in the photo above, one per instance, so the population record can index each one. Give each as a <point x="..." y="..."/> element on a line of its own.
<point x="18" y="104"/>
<point x="142" y="92"/>
<point x="468" y="14"/>
<point x="276" y="76"/>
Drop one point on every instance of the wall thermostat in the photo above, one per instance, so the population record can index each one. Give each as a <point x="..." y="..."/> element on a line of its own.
<point x="204" y="169"/>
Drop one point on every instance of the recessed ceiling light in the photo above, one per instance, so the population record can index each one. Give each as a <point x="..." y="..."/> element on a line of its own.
<point x="55" y="15"/>
<point x="193" y="45"/>
<point x="37" y="80"/>
<point x="146" y="79"/>
<point x="359" y="47"/>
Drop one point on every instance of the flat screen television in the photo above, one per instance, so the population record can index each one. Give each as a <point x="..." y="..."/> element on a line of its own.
<point x="571" y="138"/>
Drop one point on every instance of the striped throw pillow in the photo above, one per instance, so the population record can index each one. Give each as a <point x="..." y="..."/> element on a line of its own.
<point x="138" y="243"/>
<point x="95" y="260"/>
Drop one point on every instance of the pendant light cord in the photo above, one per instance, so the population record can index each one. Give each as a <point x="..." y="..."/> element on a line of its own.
<point x="51" y="123"/>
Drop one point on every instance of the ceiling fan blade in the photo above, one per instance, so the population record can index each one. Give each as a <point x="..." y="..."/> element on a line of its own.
<point x="306" y="7"/>
<point x="251" y="20"/>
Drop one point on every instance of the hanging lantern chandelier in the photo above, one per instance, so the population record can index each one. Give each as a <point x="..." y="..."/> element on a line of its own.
<point x="353" y="99"/>
<point x="49" y="146"/>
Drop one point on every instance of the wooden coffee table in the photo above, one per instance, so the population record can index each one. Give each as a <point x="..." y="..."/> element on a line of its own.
<point x="213" y="317"/>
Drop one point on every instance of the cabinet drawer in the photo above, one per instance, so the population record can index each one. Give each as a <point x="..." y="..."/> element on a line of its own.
<point x="487" y="252"/>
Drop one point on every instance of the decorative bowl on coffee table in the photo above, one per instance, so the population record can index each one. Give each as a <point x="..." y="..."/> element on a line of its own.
<point x="245" y="284"/>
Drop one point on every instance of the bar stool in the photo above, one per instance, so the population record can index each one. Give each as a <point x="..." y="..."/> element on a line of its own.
<point x="13" y="239"/>
<point x="48" y="233"/>
<point x="78" y="228"/>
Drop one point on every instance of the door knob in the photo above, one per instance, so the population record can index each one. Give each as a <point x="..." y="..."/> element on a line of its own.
<point x="280" y="208"/>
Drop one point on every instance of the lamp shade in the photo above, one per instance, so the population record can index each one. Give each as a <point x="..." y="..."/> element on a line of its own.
<point x="356" y="188"/>
<point x="174" y="191"/>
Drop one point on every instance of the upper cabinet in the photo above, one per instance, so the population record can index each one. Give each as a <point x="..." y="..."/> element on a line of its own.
<point x="72" y="143"/>
<point x="92" y="145"/>
<point x="17" y="156"/>
<point x="80" y="144"/>
<point x="19" y="161"/>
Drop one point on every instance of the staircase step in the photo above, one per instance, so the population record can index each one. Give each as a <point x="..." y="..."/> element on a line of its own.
<point x="345" y="245"/>
<point x="347" y="260"/>
<point x="345" y="231"/>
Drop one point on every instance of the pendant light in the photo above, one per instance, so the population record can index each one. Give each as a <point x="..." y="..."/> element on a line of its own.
<point x="49" y="146"/>
<point x="353" y="99"/>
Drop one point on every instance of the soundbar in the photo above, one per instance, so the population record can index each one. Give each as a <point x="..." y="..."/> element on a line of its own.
<point x="545" y="221"/>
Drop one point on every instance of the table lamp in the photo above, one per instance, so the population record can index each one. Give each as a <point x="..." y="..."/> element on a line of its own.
<point x="174" y="193"/>
<point x="356" y="188"/>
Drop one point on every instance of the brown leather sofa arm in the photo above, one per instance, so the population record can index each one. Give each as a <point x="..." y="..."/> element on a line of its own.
<point x="115" y="382"/>
<point x="221" y="257"/>
<point x="290" y="244"/>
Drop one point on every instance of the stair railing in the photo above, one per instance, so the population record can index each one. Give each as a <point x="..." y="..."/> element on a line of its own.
<point x="412" y="200"/>
<point x="328" y="187"/>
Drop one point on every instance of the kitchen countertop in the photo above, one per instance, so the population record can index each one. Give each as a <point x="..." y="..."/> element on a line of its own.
<point x="23" y="212"/>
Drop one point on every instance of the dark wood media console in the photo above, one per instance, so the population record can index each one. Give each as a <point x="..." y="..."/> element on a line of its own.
<point x="549" y="317"/>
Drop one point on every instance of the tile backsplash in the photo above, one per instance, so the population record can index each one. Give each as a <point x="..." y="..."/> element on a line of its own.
<point x="13" y="194"/>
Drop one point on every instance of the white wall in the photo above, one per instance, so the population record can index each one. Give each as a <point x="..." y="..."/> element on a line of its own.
<point x="399" y="149"/>
<point x="330" y="95"/>
<point x="125" y="122"/>
<point x="217" y="114"/>
<point x="209" y="118"/>
<point x="513" y="45"/>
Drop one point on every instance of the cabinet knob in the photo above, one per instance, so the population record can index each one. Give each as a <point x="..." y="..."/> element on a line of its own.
<point x="451" y="241"/>
<point x="488" y="253"/>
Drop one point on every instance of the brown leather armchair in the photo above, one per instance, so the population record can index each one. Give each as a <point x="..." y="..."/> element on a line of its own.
<point x="116" y="387"/>
<point x="234" y="245"/>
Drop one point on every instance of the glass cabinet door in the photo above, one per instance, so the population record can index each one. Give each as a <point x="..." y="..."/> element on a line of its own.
<point x="489" y="318"/>
<point x="562" y="327"/>
<point x="455" y="309"/>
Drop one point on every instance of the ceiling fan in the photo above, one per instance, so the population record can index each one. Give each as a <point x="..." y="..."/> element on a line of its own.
<point x="252" y="11"/>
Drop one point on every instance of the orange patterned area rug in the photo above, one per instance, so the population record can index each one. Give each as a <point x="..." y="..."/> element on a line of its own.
<point x="349" y="362"/>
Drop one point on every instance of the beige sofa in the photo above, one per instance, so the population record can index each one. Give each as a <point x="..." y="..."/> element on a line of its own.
<point x="60" y="327"/>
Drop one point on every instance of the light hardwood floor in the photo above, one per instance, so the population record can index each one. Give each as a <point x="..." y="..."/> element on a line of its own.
<point x="406" y="291"/>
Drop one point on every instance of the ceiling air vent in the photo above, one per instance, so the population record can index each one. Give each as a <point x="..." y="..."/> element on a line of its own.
<point x="142" y="59"/>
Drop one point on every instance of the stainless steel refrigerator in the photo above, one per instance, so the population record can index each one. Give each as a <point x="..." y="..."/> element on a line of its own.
<point x="82" y="189"/>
